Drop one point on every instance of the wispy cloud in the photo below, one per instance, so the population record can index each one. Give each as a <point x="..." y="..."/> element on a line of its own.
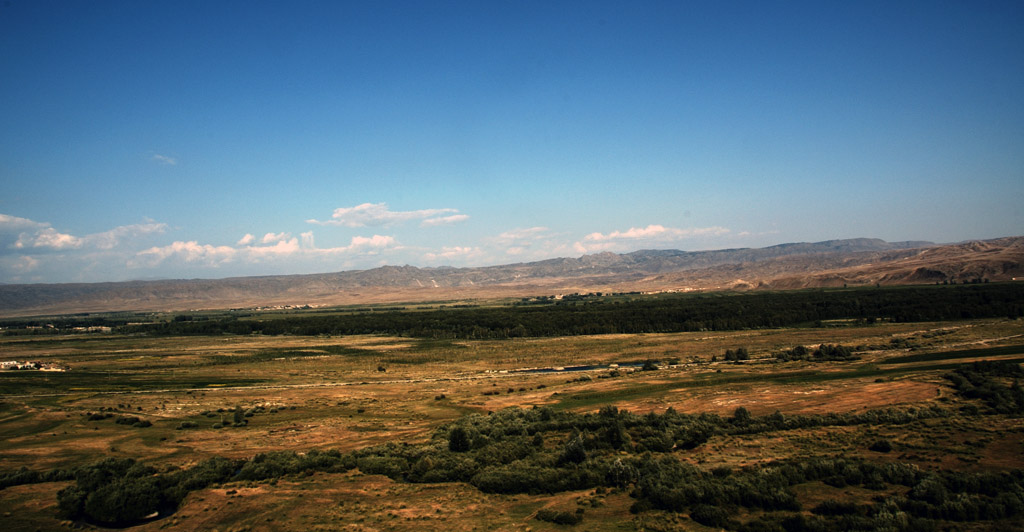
<point x="19" y="268"/>
<point x="187" y="252"/>
<point x="523" y="243"/>
<point x="519" y="235"/>
<point x="375" y="241"/>
<point x="247" y="251"/>
<point x="271" y="238"/>
<point x="654" y="233"/>
<point x="25" y="264"/>
<point x="164" y="159"/>
<point x="453" y="252"/>
<point x="378" y="214"/>
<point x="113" y="238"/>
<point x="14" y="223"/>
<point x="283" y="247"/>
<point x="658" y="232"/>
<point x="307" y="239"/>
<point x="47" y="238"/>
<point x="23" y="235"/>
<point x="444" y="220"/>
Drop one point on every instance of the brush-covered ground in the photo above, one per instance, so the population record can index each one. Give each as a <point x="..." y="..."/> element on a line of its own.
<point x="451" y="435"/>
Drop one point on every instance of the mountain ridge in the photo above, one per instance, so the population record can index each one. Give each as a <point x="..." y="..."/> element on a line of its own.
<point x="792" y="265"/>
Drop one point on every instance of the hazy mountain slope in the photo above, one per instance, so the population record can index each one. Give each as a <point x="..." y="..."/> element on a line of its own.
<point x="835" y="262"/>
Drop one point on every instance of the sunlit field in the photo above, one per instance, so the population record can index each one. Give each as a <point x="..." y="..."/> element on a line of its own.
<point x="173" y="402"/>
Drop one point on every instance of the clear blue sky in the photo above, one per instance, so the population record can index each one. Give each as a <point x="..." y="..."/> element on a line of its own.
<point x="175" y="139"/>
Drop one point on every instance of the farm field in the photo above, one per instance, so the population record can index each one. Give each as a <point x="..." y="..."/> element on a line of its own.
<point x="173" y="402"/>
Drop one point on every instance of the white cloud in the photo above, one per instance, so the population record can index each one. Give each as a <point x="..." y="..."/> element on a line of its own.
<point x="371" y="245"/>
<point x="28" y="234"/>
<point x="530" y="242"/>
<point x="515" y="235"/>
<point x="307" y="240"/>
<point x="453" y="252"/>
<point x="280" y="246"/>
<point x="25" y="264"/>
<point x="188" y="252"/>
<point x="164" y="159"/>
<point x="47" y="238"/>
<point x="444" y="220"/>
<point x="656" y="232"/>
<point x="14" y="223"/>
<point x="376" y="241"/>
<point x="620" y="240"/>
<point x="377" y="214"/>
<point x="270" y="238"/>
<point x="111" y="239"/>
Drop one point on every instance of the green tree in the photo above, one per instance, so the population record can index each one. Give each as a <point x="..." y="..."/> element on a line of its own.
<point x="741" y="416"/>
<point x="458" y="440"/>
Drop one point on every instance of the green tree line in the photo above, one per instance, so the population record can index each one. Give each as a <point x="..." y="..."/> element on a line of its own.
<point x="682" y="313"/>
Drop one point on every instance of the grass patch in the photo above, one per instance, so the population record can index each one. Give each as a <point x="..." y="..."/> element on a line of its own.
<point x="35" y="382"/>
<point x="953" y="355"/>
<point x="638" y="391"/>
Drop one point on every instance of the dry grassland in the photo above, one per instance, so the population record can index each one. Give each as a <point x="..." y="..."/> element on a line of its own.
<point x="348" y="393"/>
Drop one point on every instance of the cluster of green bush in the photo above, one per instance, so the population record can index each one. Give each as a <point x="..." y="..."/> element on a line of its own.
<point x="983" y="380"/>
<point x="560" y="517"/>
<point x="545" y="451"/>
<point x="120" y="491"/>
<point x="736" y="355"/>
<point x="133" y="421"/>
<point x="236" y="416"/>
<point x="25" y="475"/>
<point x="823" y="353"/>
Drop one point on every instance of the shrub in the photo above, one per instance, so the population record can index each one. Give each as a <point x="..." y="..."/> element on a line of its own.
<point x="708" y="515"/>
<point x="393" y="467"/>
<point x="112" y="492"/>
<point x="124" y="501"/>
<point x="574" y="451"/>
<point x="458" y="440"/>
<point x="881" y="446"/>
<point x="833" y="507"/>
<point x="560" y="518"/>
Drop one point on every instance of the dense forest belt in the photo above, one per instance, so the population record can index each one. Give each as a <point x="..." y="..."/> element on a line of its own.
<point x="662" y="314"/>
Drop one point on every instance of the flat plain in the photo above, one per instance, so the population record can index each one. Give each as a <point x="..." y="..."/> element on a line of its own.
<point x="358" y="392"/>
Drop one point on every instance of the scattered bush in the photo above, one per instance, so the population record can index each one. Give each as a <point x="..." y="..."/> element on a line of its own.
<point x="713" y="516"/>
<point x="559" y="517"/>
<point x="881" y="446"/>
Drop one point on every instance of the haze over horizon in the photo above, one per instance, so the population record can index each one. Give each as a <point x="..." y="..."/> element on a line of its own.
<point x="219" y="139"/>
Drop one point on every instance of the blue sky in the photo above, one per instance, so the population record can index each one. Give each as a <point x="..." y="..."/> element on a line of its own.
<point x="182" y="139"/>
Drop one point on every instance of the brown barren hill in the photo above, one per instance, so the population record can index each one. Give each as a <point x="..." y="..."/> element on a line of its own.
<point x="830" y="263"/>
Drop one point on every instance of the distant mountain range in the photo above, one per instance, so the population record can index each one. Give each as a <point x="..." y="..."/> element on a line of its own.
<point x="852" y="262"/>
